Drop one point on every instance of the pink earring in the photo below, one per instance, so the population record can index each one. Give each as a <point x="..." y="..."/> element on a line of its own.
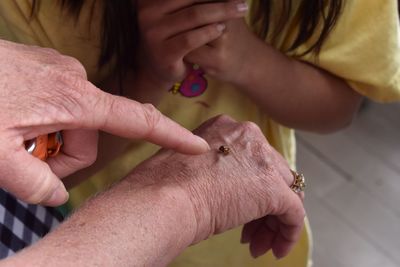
<point x="195" y="84"/>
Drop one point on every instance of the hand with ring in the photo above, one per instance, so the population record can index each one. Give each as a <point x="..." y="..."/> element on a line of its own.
<point x="241" y="179"/>
<point x="172" y="201"/>
<point x="43" y="92"/>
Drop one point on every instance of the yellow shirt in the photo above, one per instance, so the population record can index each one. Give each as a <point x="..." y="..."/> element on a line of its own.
<point x="363" y="49"/>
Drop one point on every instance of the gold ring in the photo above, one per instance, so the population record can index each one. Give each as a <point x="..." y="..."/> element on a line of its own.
<point x="299" y="183"/>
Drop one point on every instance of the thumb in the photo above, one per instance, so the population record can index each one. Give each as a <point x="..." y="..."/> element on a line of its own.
<point x="130" y="119"/>
<point x="31" y="180"/>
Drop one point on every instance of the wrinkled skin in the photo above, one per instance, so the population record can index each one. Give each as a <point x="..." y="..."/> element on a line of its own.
<point x="250" y="184"/>
<point x="42" y="91"/>
<point x="173" y="200"/>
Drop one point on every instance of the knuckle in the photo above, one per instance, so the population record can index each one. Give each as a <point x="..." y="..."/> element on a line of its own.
<point x="89" y="158"/>
<point x="50" y="51"/>
<point x="74" y="66"/>
<point x="208" y="34"/>
<point x="152" y="117"/>
<point x="223" y="119"/>
<point x="74" y="86"/>
<point x="40" y="190"/>
<point x="84" y="161"/>
<point x="250" y="127"/>
<point x="188" y="42"/>
<point x="105" y="104"/>
<point x="66" y="101"/>
<point x="74" y="81"/>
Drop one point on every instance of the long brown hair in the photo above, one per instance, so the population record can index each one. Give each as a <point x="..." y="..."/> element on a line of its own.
<point x="120" y="34"/>
<point x="311" y="14"/>
<point x="119" y="31"/>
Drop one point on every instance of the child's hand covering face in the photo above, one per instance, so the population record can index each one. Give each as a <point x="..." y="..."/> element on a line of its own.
<point x="226" y="57"/>
<point x="172" y="29"/>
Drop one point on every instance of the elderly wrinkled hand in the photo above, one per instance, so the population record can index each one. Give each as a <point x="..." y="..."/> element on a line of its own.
<point x="42" y="91"/>
<point x="250" y="183"/>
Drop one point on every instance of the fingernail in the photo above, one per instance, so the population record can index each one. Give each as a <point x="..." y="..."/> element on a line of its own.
<point x="59" y="196"/>
<point x="244" y="240"/>
<point x="242" y="7"/>
<point x="277" y="255"/>
<point x="256" y="254"/>
<point x="221" y="27"/>
<point x="205" y="144"/>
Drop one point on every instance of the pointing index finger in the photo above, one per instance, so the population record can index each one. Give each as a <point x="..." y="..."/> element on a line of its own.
<point x="131" y="119"/>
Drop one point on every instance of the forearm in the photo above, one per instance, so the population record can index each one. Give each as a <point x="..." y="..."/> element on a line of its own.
<point x="126" y="226"/>
<point x="295" y="93"/>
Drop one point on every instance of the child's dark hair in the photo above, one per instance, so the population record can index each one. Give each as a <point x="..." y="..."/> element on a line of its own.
<point x="315" y="18"/>
<point x="120" y="29"/>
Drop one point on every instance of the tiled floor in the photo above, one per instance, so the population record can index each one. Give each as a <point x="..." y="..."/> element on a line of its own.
<point x="353" y="194"/>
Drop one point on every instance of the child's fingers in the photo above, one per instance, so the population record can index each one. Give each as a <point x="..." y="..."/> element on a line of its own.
<point x="204" y="56"/>
<point x="249" y="229"/>
<point x="199" y="15"/>
<point x="285" y="239"/>
<point x="262" y="239"/>
<point x="189" y="41"/>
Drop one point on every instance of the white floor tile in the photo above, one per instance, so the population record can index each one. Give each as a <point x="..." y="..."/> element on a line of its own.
<point x="367" y="170"/>
<point x="336" y="244"/>
<point x="353" y="191"/>
<point x="368" y="217"/>
<point x="320" y="178"/>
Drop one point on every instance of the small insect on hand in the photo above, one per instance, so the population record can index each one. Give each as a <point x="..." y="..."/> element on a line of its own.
<point x="225" y="150"/>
